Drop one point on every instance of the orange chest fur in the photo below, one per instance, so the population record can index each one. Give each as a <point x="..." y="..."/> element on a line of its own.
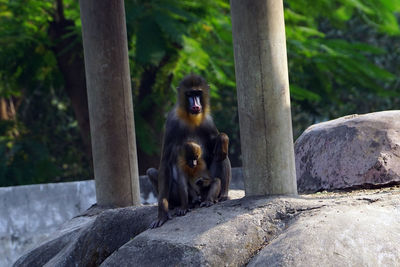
<point x="190" y="119"/>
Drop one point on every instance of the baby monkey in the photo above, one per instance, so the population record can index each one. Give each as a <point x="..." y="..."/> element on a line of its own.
<point x="194" y="170"/>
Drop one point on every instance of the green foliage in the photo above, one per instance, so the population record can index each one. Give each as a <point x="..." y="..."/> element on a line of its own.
<point x="174" y="39"/>
<point x="38" y="144"/>
<point x="330" y="57"/>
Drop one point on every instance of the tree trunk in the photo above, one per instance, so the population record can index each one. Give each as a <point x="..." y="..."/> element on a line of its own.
<point x="7" y="109"/>
<point x="69" y="55"/>
<point x="263" y="97"/>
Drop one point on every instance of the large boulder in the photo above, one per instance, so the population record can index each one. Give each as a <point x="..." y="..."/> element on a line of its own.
<point x="356" y="151"/>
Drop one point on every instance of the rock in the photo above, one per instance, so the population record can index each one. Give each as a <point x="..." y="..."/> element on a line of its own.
<point x="343" y="235"/>
<point x="356" y="151"/>
<point x="334" y="229"/>
<point x="225" y="234"/>
<point x="315" y="230"/>
<point x="31" y="213"/>
<point x="90" y="238"/>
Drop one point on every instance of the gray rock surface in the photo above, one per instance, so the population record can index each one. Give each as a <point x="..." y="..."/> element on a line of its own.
<point x="359" y="228"/>
<point x="87" y="240"/>
<point x="31" y="213"/>
<point x="353" y="229"/>
<point x="364" y="231"/>
<point x="225" y="234"/>
<point x="356" y="151"/>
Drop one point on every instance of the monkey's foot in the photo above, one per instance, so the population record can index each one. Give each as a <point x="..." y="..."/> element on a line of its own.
<point x="206" y="203"/>
<point x="181" y="212"/>
<point x="159" y="222"/>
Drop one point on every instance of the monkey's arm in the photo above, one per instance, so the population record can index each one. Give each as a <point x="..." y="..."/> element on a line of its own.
<point x="221" y="147"/>
<point x="221" y="165"/>
<point x="222" y="170"/>
<point x="165" y="176"/>
<point x="211" y="194"/>
<point x="163" y="197"/>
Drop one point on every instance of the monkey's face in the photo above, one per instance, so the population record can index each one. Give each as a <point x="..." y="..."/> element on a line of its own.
<point x="194" y="101"/>
<point x="191" y="163"/>
<point x="192" y="158"/>
<point x="193" y="95"/>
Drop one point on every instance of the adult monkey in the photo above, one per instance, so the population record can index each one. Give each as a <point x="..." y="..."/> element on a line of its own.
<point x="189" y="119"/>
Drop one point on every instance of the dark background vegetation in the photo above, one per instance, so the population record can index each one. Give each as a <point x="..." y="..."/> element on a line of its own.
<point x="344" y="58"/>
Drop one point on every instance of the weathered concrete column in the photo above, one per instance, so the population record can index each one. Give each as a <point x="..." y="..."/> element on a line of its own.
<point x="263" y="97"/>
<point x="110" y="102"/>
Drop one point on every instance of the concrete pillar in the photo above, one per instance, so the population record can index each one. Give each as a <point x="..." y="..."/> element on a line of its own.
<point x="263" y="97"/>
<point x="110" y="102"/>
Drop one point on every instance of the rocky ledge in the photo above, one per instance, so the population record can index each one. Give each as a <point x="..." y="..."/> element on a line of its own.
<point x="358" y="228"/>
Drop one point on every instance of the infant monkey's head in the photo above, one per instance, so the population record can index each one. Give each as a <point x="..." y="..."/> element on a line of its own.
<point x="192" y="154"/>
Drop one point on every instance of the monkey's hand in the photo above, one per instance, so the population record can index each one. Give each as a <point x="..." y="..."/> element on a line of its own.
<point x="181" y="211"/>
<point x="159" y="222"/>
<point x="206" y="203"/>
